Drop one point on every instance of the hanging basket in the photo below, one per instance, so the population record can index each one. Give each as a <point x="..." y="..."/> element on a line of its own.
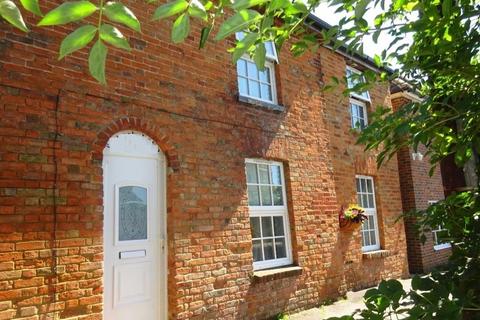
<point x="349" y="225"/>
<point x="351" y="218"/>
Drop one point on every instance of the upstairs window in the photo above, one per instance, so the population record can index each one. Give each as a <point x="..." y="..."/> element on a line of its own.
<point x="358" y="111"/>
<point x="358" y="100"/>
<point x="354" y="78"/>
<point x="268" y="214"/>
<point x="256" y="84"/>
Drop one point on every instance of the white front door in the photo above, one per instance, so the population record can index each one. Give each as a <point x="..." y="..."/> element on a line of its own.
<point x="134" y="229"/>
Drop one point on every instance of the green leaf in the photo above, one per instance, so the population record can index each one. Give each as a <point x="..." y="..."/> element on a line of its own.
<point x="360" y="8"/>
<point x="398" y="4"/>
<point x="243" y="46"/>
<point x="204" y="36"/>
<point x="375" y="35"/>
<point x="77" y="40"/>
<point x="68" y="12"/>
<point x="422" y="284"/>
<point x="118" y="12"/>
<point x="296" y="8"/>
<point x="197" y="10"/>
<point x="170" y="9"/>
<point x="96" y="61"/>
<point x="113" y="36"/>
<point x="446" y="8"/>
<point x="10" y="12"/>
<point x="245" y="4"/>
<point x="446" y="35"/>
<point x="278" y="4"/>
<point x="259" y="56"/>
<point x="238" y="22"/>
<point x="32" y="6"/>
<point x="181" y="28"/>
<point x="378" y="60"/>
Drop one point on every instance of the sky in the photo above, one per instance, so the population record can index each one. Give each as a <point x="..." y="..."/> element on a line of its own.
<point x="371" y="48"/>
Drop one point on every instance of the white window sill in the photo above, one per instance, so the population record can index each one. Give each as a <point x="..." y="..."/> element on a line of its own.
<point x="442" y="246"/>
<point x="375" y="254"/>
<point x="276" y="273"/>
<point x="260" y="103"/>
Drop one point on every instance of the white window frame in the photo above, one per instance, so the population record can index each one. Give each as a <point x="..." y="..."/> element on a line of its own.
<point x="370" y="212"/>
<point x="365" y="112"/>
<point x="354" y="94"/>
<point x="271" y="211"/>
<point x="436" y="244"/>
<point x="270" y="66"/>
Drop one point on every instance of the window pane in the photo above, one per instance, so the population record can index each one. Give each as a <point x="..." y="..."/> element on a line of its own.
<point x="277" y="196"/>
<point x="349" y="79"/>
<point x="268" y="249"/>
<point x="359" y="200"/>
<point x="242" y="86"/>
<point x="278" y="226"/>
<point x="264" y="75"/>
<point x="251" y="169"/>
<point x="255" y="227"/>
<point x="364" y="94"/>
<point x="354" y="122"/>
<point x="266" y="196"/>
<point x="252" y="70"/>
<point x="276" y="174"/>
<point x="132" y="213"/>
<point x="254" y="88"/>
<point x="257" y="250"/>
<point x="372" y="237"/>
<point x="242" y="67"/>
<point x="362" y="183"/>
<point x="365" y="201"/>
<point x="358" y="185"/>
<point x="263" y="173"/>
<point x="370" y="201"/>
<point x="367" y="238"/>
<point x="361" y="112"/>
<point x="266" y="92"/>
<point x="253" y="196"/>
<point x="369" y="186"/>
<point x="280" y="248"/>
<point x="269" y="49"/>
<point x="361" y="123"/>
<point x="353" y="109"/>
<point x="267" y="227"/>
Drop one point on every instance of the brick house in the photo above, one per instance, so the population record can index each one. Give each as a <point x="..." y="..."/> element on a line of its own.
<point x="188" y="188"/>
<point x="419" y="190"/>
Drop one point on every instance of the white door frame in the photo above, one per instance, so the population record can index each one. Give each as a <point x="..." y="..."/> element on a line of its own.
<point x="162" y="183"/>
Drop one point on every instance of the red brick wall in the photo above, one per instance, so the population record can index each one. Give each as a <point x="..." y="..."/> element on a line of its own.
<point x="349" y="160"/>
<point x="418" y="188"/>
<point x="55" y="122"/>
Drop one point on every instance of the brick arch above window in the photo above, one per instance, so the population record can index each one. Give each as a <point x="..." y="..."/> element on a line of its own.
<point x="136" y="124"/>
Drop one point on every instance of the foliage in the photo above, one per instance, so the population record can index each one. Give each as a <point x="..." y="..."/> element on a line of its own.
<point x="282" y="316"/>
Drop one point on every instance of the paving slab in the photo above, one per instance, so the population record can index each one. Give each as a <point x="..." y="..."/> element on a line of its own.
<point x="342" y="307"/>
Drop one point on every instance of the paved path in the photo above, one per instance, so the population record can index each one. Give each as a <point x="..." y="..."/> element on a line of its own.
<point x="340" y="308"/>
